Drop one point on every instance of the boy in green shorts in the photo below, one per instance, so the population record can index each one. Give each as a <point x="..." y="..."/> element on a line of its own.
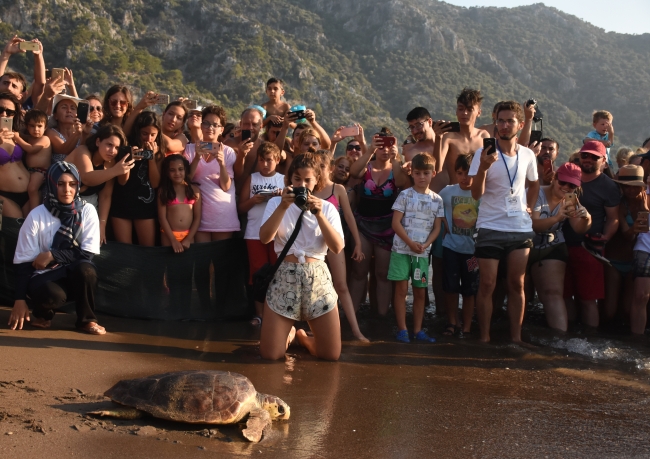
<point x="417" y="217"/>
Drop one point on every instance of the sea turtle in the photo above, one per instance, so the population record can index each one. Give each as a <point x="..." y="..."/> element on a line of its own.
<point x="197" y="397"/>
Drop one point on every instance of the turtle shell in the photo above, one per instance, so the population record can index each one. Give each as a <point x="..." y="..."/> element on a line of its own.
<point x="210" y="397"/>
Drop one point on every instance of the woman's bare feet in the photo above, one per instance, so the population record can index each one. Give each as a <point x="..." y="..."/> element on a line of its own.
<point x="291" y="337"/>
<point x="307" y="342"/>
<point x="93" y="328"/>
<point x="37" y="322"/>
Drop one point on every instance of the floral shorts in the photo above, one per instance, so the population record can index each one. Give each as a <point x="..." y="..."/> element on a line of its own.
<point x="302" y="291"/>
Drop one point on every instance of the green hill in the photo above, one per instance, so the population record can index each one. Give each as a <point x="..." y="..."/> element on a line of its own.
<point x="365" y="61"/>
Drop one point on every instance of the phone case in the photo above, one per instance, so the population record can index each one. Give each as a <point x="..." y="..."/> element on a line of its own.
<point x="191" y="104"/>
<point x="7" y="123"/>
<point x="350" y="131"/>
<point x="162" y="99"/>
<point x="82" y="112"/>
<point x="58" y="73"/>
<point x="28" y="46"/>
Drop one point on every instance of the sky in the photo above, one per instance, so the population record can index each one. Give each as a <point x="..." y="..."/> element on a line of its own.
<point x="622" y="16"/>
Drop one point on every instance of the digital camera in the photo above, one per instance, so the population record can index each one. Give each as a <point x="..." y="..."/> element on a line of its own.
<point x="302" y="194"/>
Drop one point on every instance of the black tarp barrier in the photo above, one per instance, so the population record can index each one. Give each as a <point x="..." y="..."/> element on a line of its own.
<point x="208" y="281"/>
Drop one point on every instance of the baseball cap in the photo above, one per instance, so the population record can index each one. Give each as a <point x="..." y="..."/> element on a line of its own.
<point x="595" y="148"/>
<point x="570" y="173"/>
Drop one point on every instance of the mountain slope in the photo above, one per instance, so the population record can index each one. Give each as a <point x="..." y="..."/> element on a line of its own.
<point x="366" y="61"/>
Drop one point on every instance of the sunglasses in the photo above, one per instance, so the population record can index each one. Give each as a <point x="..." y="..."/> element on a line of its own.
<point x="207" y="125"/>
<point x="585" y="155"/>
<point x="94" y="108"/>
<point x="7" y="111"/>
<point x="354" y="147"/>
<point x="570" y="185"/>
<point x="115" y="103"/>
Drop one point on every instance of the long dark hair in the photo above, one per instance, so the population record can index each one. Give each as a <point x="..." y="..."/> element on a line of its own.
<point x="104" y="133"/>
<point x="166" y="190"/>
<point x="143" y="120"/>
<point x="18" y="116"/>
<point x="306" y="161"/>
<point x="106" y="106"/>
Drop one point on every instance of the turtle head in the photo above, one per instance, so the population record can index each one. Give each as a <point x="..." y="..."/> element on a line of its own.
<point x="275" y="406"/>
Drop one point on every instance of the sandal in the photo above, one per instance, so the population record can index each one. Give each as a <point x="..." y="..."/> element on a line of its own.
<point x="256" y="321"/>
<point x="423" y="337"/>
<point x="93" y="328"/>
<point x="403" y="336"/>
<point x="451" y="330"/>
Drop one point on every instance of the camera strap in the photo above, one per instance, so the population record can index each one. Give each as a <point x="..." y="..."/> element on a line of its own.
<point x="290" y="242"/>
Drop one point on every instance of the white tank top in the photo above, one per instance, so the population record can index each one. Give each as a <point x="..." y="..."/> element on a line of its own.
<point x="260" y="183"/>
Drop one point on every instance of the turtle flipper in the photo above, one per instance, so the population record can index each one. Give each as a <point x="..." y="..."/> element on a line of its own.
<point x="120" y="413"/>
<point x="258" y="420"/>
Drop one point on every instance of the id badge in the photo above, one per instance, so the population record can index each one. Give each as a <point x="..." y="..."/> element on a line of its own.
<point x="513" y="206"/>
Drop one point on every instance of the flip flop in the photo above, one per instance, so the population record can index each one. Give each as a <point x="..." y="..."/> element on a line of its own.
<point x="256" y="321"/>
<point x="93" y="328"/>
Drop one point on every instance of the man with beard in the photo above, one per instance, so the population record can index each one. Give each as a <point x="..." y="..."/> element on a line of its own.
<point x="505" y="230"/>
<point x="465" y="142"/>
<point x="251" y="120"/>
<point x="549" y="150"/>
<point x="585" y="278"/>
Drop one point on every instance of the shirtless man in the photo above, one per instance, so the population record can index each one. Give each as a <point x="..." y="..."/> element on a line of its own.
<point x="251" y="120"/>
<point x="465" y="142"/>
<point x="491" y="128"/>
<point x="275" y="107"/>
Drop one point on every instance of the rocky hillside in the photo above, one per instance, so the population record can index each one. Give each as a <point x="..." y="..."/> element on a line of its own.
<point x="362" y="60"/>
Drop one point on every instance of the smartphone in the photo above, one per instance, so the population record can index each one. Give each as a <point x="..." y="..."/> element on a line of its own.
<point x="204" y="145"/>
<point x="122" y="152"/>
<point x="28" y="46"/>
<point x="642" y="216"/>
<point x="267" y="193"/>
<point x="490" y="143"/>
<point x="387" y="141"/>
<point x="7" y="123"/>
<point x="162" y="99"/>
<point x="245" y="134"/>
<point x="548" y="166"/>
<point x="143" y="154"/>
<point x="455" y="126"/>
<point x="58" y="73"/>
<point x="350" y="131"/>
<point x="82" y="112"/>
<point x="48" y="74"/>
<point x="190" y="104"/>
<point x="571" y="199"/>
<point x="535" y="136"/>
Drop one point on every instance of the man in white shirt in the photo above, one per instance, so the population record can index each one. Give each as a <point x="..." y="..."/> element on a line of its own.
<point x="505" y="230"/>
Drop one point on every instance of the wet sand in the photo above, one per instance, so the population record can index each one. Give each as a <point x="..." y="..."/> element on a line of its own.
<point x="456" y="398"/>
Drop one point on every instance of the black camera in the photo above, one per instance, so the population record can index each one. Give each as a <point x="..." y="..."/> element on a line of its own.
<point x="302" y="194"/>
<point x="147" y="154"/>
<point x="537" y="116"/>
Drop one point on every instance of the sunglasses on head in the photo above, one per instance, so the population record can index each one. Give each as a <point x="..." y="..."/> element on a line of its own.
<point x="354" y="147"/>
<point x="7" y="111"/>
<point x="585" y="155"/>
<point x="570" y="185"/>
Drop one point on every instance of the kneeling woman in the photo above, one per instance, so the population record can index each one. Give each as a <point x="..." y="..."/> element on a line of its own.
<point x="53" y="258"/>
<point x="302" y="287"/>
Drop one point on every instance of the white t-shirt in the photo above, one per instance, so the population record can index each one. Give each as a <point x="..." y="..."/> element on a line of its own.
<point x="420" y="212"/>
<point x="492" y="213"/>
<point x="310" y="241"/>
<point x="260" y="183"/>
<point x="40" y="226"/>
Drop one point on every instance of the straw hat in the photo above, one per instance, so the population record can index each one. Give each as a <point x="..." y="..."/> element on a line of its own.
<point x="630" y="175"/>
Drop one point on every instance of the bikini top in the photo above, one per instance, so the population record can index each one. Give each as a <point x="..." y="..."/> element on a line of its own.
<point x="332" y="198"/>
<point x="185" y="201"/>
<point x="14" y="157"/>
<point x="386" y="189"/>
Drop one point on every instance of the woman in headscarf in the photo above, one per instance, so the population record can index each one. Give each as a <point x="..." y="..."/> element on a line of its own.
<point x="53" y="258"/>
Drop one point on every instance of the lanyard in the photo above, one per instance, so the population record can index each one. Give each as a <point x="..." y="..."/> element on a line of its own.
<point x="512" y="180"/>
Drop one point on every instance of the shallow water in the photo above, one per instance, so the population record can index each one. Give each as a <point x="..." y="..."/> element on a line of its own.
<point x="570" y="397"/>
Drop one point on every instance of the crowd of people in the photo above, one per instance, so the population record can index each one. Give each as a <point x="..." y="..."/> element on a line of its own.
<point x="490" y="211"/>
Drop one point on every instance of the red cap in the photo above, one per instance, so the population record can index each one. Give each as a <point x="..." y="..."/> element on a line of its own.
<point x="594" y="147"/>
<point x="570" y="173"/>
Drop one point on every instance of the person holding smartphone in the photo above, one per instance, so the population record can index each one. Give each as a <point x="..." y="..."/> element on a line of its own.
<point x="555" y="205"/>
<point x="505" y="230"/>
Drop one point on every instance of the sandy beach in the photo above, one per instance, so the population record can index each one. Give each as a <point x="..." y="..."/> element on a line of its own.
<point x="455" y="398"/>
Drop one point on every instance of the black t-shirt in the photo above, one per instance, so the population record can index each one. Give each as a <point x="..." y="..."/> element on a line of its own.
<point x="596" y="195"/>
